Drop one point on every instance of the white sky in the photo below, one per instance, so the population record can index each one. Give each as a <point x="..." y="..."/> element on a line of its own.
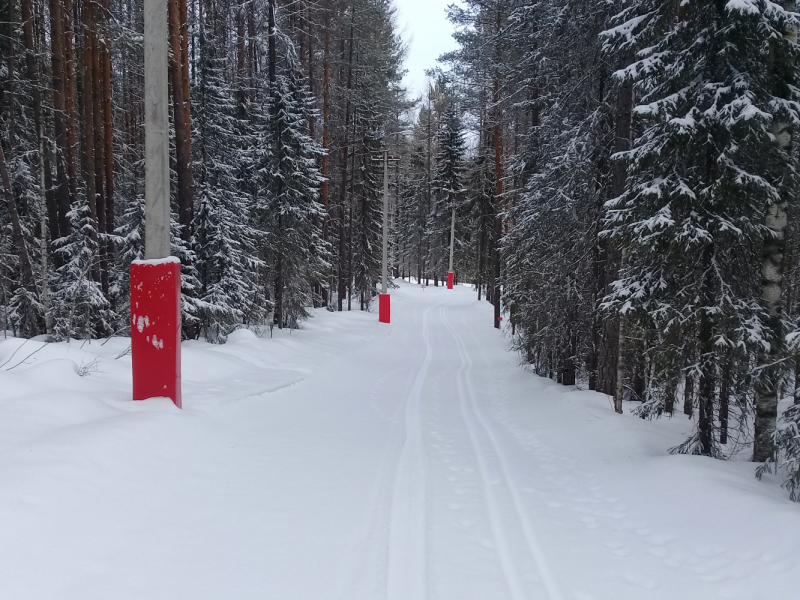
<point x="424" y="26"/>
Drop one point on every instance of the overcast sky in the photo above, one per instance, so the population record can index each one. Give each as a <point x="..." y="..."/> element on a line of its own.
<point x="427" y="31"/>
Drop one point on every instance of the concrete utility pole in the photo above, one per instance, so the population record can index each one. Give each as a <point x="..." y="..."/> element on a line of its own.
<point x="384" y="281"/>
<point x="384" y="307"/>
<point x="156" y="130"/>
<point x="156" y="281"/>
<point x="452" y="241"/>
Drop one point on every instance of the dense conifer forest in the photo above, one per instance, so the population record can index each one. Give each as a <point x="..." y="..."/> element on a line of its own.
<point x="623" y="175"/>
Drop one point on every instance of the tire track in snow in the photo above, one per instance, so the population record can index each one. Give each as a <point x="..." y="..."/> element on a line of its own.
<point x="406" y="569"/>
<point x="537" y="553"/>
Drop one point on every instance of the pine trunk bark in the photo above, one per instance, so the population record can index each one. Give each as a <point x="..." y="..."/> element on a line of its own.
<point x="89" y="50"/>
<point x="108" y="124"/>
<point x="62" y="190"/>
<point x="69" y="100"/>
<point x="183" y="145"/>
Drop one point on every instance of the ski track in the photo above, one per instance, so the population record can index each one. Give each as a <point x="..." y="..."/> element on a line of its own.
<point x="507" y="564"/>
<point x="406" y="569"/>
<point x="469" y="405"/>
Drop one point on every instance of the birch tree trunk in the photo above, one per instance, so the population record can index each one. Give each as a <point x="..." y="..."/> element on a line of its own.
<point x="766" y="389"/>
<point x="771" y="289"/>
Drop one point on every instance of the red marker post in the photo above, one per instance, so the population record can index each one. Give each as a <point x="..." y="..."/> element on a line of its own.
<point x="384" y="308"/>
<point x="156" y="328"/>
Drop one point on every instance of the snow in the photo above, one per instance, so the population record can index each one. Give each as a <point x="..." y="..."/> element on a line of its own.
<point x="743" y="6"/>
<point x="356" y="460"/>
<point x="157" y="261"/>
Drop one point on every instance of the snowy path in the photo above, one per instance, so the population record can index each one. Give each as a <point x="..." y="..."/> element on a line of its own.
<point x="358" y="461"/>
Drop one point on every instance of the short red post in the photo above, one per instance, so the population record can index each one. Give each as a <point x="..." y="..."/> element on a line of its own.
<point x="450" y="278"/>
<point x="156" y="328"/>
<point x="384" y="308"/>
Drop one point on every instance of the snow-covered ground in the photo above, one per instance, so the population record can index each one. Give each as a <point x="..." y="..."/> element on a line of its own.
<point x="353" y="460"/>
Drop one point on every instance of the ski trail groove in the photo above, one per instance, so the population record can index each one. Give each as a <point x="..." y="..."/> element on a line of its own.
<point x="507" y="563"/>
<point x="406" y="572"/>
<point x="537" y="553"/>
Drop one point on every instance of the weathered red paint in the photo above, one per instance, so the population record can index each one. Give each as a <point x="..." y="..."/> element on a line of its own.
<point x="450" y="278"/>
<point x="384" y="308"/>
<point x="156" y="329"/>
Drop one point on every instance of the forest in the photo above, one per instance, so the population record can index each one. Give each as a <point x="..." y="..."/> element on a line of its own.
<point x="623" y="175"/>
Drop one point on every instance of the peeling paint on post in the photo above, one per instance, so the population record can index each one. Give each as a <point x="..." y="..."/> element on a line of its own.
<point x="156" y="329"/>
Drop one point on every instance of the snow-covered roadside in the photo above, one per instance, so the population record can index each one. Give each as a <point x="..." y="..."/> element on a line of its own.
<point x="353" y="460"/>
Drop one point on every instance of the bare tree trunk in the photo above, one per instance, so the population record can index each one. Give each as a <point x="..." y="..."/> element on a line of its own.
<point x="688" y="396"/>
<point x="771" y="289"/>
<point x="32" y="73"/>
<point x="26" y="268"/>
<point x="183" y="147"/>
<point x="498" y="174"/>
<point x="707" y="384"/>
<point x="89" y="50"/>
<point x="611" y="358"/>
<point x="724" y="401"/>
<point x="240" y="56"/>
<point x="62" y="191"/>
<point x="310" y="49"/>
<point x="343" y="199"/>
<point x="279" y="313"/>
<point x="99" y="136"/>
<point x="69" y="100"/>
<point x="108" y="124"/>
<point x="326" y="100"/>
<point x="252" y="47"/>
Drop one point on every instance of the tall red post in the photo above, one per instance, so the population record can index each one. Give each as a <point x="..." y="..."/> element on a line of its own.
<point x="450" y="278"/>
<point x="384" y="308"/>
<point x="156" y="328"/>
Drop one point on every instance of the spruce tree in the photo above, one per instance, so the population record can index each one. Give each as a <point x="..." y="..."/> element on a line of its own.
<point x="288" y="196"/>
<point x="224" y="241"/>
<point x="702" y="173"/>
